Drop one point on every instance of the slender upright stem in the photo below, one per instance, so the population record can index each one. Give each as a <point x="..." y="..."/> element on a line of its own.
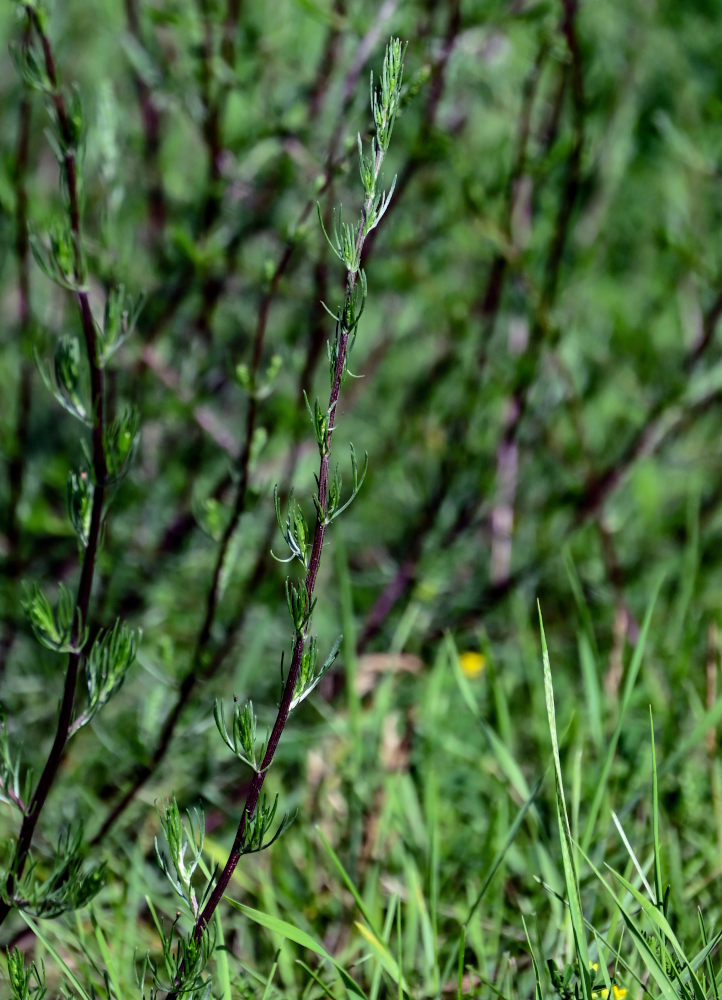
<point x="384" y="107"/>
<point x="284" y="708"/>
<point x="100" y="473"/>
<point x="196" y="670"/>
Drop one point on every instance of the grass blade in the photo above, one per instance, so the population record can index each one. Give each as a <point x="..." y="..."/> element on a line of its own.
<point x="57" y="957"/>
<point x="565" y="836"/>
<point x="630" y="681"/>
<point x="292" y="933"/>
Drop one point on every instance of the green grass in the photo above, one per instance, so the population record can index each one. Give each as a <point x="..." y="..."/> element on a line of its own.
<point x="444" y="852"/>
<point x="485" y="805"/>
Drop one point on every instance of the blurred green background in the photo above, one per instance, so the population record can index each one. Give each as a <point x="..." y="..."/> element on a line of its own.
<point x="539" y="394"/>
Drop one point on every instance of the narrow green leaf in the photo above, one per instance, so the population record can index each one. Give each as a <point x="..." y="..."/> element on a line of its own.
<point x="650" y="960"/>
<point x="56" y="956"/>
<point x="348" y="882"/>
<point x="538" y="988"/>
<point x="601" y="785"/>
<point x="565" y="836"/>
<point x="658" y="887"/>
<point x="223" y="972"/>
<point x="292" y="933"/>
<point x="386" y="959"/>
<point x="656" y="917"/>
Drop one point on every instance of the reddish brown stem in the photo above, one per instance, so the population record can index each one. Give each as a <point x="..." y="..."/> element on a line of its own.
<point x="343" y="334"/>
<point x="65" y="716"/>
<point x="284" y="708"/>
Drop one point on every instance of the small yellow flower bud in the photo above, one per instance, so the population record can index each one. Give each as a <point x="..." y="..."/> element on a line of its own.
<point x="472" y="664"/>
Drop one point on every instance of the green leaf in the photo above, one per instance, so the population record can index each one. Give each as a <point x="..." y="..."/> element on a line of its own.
<point x="630" y="680"/>
<point x="386" y="959"/>
<point x="119" y="440"/>
<point x="293" y="933"/>
<point x="309" y="677"/>
<point x="57" y="958"/>
<point x="119" y="322"/>
<point x="656" y="918"/>
<point x="111" y="656"/>
<point x="565" y="836"/>
<point x="66" y="380"/>
<point x="241" y="741"/>
<point x="59" y="629"/>
<point x="80" y="491"/>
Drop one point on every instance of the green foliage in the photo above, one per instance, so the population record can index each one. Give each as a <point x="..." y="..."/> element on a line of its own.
<point x="63" y="882"/>
<point x="257" y="834"/>
<point x="59" y="629"/>
<point x="58" y="260"/>
<point x="334" y="507"/>
<point x="66" y="381"/>
<point x="26" y="983"/>
<point x="300" y="607"/>
<point x="242" y="739"/>
<point x="295" y="530"/>
<point x="310" y="675"/>
<point x="80" y="497"/>
<point x="178" y="870"/>
<point x="181" y="967"/>
<point x="106" y="665"/>
<point x="120" y="439"/>
<point x="385" y="99"/>
<point x="13" y="789"/>
<point x="532" y="298"/>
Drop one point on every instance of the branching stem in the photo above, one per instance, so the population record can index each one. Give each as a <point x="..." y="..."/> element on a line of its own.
<point x="346" y="323"/>
<point x="100" y="472"/>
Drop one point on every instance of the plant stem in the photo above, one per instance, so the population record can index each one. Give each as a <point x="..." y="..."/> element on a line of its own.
<point x="100" y="472"/>
<point x="140" y="775"/>
<point x="284" y="708"/>
<point x="341" y="346"/>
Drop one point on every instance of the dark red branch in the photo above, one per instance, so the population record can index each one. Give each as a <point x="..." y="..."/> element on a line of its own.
<point x="65" y="716"/>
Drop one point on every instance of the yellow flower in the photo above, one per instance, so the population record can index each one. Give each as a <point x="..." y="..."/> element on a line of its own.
<point x="472" y="664"/>
<point x="617" y="991"/>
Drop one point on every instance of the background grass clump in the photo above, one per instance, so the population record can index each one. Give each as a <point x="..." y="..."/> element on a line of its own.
<point x="485" y="804"/>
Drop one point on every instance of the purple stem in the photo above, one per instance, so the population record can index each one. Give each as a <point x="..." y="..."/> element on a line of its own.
<point x="65" y="716"/>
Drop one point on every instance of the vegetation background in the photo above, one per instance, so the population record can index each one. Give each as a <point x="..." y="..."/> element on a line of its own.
<point x="539" y="388"/>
